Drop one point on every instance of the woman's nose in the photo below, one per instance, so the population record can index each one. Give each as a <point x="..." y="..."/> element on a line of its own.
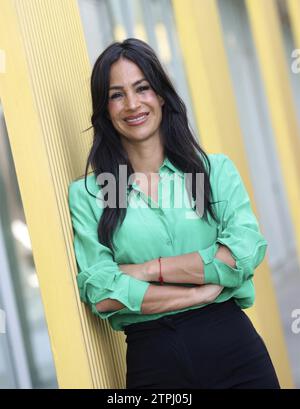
<point x="132" y="101"/>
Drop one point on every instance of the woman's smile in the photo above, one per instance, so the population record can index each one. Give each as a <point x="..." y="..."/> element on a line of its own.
<point x="137" y="119"/>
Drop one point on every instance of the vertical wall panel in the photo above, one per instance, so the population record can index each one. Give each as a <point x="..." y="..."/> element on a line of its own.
<point x="45" y="95"/>
<point x="270" y="52"/>
<point x="294" y="13"/>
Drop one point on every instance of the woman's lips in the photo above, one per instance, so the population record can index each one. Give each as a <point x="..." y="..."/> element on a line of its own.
<point x="141" y="119"/>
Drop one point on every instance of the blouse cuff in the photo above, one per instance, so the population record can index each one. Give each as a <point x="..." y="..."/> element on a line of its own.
<point x="131" y="304"/>
<point x="218" y="272"/>
<point x="119" y="286"/>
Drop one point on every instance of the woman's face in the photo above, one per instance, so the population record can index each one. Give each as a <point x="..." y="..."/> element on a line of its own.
<point x="135" y="110"/>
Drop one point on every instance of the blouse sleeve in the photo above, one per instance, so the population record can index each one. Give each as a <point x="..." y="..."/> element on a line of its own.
<point x="98" y="275"/>
<point x="238" y="230"/>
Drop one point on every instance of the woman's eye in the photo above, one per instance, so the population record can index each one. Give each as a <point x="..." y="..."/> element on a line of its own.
<point x="139" y="89"/>
<point x="143" y="88"/>
<point x="116" y="95"/>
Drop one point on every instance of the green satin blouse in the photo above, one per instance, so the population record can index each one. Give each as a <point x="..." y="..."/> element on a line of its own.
<point x="164" y="229"/>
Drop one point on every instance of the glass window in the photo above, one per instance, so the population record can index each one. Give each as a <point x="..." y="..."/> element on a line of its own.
<point x="25" y="354"/>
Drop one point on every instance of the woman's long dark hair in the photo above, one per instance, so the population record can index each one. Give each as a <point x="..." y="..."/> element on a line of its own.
<point x="107" y="152"/>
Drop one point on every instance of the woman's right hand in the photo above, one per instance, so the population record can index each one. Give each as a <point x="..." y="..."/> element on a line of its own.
<point x="206" y="293"/>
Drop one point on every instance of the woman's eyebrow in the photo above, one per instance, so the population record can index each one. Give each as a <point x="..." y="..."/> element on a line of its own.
<point x="134" y="84"/>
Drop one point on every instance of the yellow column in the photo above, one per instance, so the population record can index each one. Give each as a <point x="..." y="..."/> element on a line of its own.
<point x="45" y="94"/>
<point x="270" y="52"/>
<point x="294" y="13"/>
<point x="200" y="36"/>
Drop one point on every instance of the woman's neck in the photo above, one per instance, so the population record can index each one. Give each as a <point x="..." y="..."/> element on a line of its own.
<point x="146" y="161"/>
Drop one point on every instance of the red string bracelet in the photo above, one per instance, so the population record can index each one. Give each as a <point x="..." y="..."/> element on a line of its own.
<point x="160" y="278"/>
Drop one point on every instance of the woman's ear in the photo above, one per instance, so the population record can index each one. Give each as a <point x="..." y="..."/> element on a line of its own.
<point x="161" y="100"/>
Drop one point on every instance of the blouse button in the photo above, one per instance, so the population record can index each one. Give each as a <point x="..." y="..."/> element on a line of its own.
<point x="169" y="242"/>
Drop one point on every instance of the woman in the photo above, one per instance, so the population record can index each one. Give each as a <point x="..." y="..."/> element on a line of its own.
<point x="175" y="278"/>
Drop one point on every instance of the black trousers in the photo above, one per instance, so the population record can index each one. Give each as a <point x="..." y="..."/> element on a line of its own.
<point x="213" y="347"/>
